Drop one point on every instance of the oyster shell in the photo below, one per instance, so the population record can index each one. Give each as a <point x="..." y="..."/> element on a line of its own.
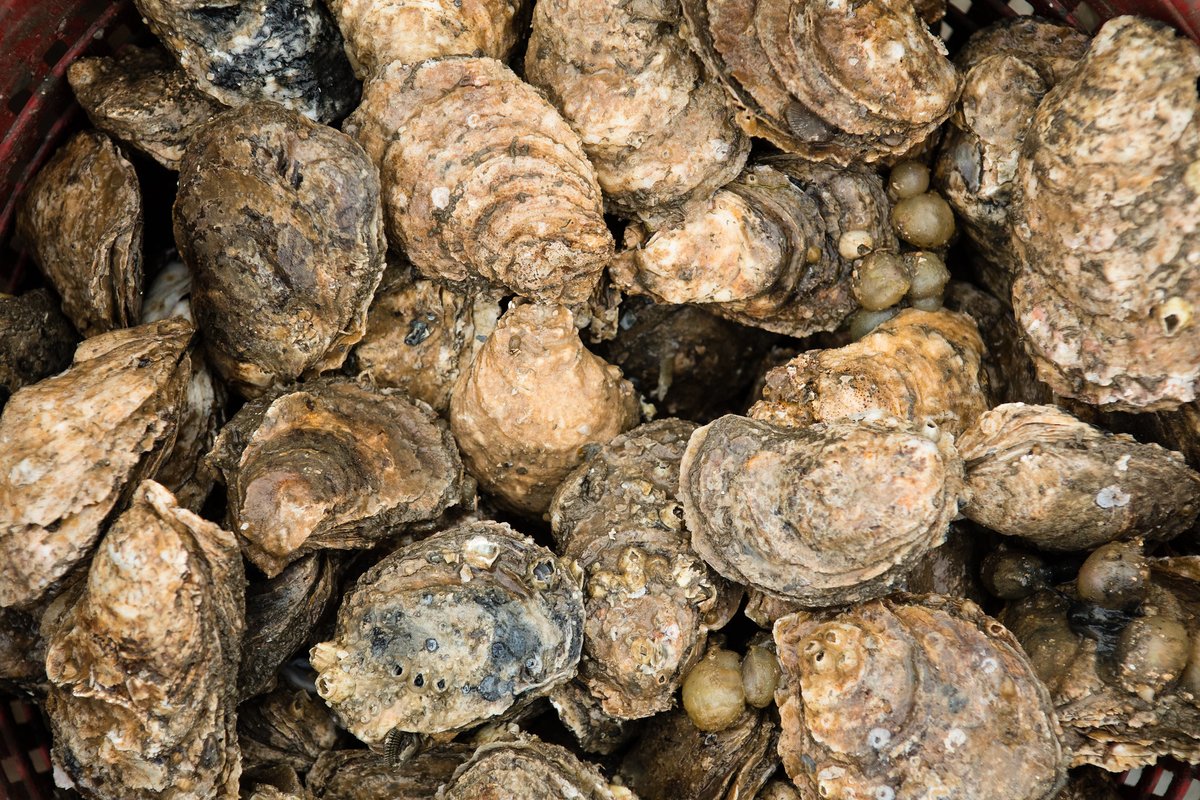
<point x="451" y="631"/>
<point x="287" y="727"/>
<point x="1090" y="784"/>
<point x="919" y="697"/>
<point x="143" y="667"/>
<point x="1041" y="474"/>
<point x="82" y="221"/>
<point x="279" y="221"/>
<point x="528" y="769"/>
<point x="594" y="730"/>
<point x="332" y="463"/>
<point x="142" y="98"/>
<point x="825" y="515"/>
<point x="530" y="403"/>
<point x="36" y="341"/>
<point x="22" y="651"/>
<point x="284" y="51"/>
<point x="364" y="775"/>
<point x="72" y="444"/>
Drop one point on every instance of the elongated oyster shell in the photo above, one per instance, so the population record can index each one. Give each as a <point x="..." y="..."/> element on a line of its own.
<point x="1107" y="223"/>
<point x="1039" y="473"/>
<point x="36" y="341"/>
<point x="483" y="180"/>
<point x="332" y="464"/>
<point x="914" y="698"/>
<point x="365" y="775"/>
<point x="142" y="98"/>
<point x="922" y="366"/>
<point x="451" y="631"/>
<point x="82" y="220"/>
<point x="528" y="769"/>
<point x="71" y="444"/>
<point x="279" y="221"/>
<point x="284" y="51"/>
<point x="836" y="81"/>
<point x="286" y="727"/>
<point x="829" y="514"/>
<point x="529" y="404"/>
<point x="143" y="667"/>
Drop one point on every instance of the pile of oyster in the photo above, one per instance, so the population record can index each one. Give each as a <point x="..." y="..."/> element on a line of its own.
<point x="716" y="399"/>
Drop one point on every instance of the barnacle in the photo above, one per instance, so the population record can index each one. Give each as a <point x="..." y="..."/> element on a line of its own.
<point x="527" y="768"/>
<point x="36" y="341"/>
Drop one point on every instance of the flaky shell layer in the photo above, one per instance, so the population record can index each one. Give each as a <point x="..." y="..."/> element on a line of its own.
<point x="366" y="775"/>
<point x="527" y="768"/>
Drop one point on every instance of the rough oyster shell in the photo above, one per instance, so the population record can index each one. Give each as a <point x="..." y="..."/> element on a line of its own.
<point x="528" y="769"/>
<point x="36" y="341"/>
<point x="365" y="775"/>
<point x="287" y="727"/>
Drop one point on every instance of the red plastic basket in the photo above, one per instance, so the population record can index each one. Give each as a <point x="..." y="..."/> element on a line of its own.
<point x="38" y="41"/>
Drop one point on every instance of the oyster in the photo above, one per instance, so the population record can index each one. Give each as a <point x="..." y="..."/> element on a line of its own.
<point x="72" y="444"/>
<point x="279" y="221"/>
<point x="284" y="51"/>
<point x="1090" y="784"/>
<point x="364" y="775"/>
<point x="1041" y="474"/>
<point x="332" y="463"/>
<point x="530" y="403"/>
<point x="143" y="667"/>
<point x="528" y="769"/>
<point x="141" y="97"/>
<point x="36" y="341"/>
<point x="594" y="730"/>
<point x="917" y="697"/>
<point x="22" y="651"/>
<point x="82" y="221"/>
<point x="825" y="515"/>
<point x="451" y="631"/>
<point x="287" y="727"/>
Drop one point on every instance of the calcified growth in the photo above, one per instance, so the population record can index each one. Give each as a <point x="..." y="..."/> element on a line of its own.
<point x="82" y="221"/>
<point x="835" y="81"/>
<point x="483" y="180"/>
<point x="143" y="667"/>
<point x="1008" y="68"/>
<point x="920" y="366"/>
<point x="825" y="515"/>
<point x="286" y="51"/>
<point x="279" y="220"/>
<point x="141" y="97"/>
<point x="774" y="249"/>
<point x="71" y="444"/>
<point x="1041" y="474"/>
<point x="451" y="631"/>
<point x="36" y="341"/>
<point x="379" y="32"/>
<point x="526" y="768"/>
<point x="333" y="464"/>
<point x="1107" y="223"/>
<point x="657" y="129"/>
<point x="532" y="399"/>
<point x="925" y="692"/>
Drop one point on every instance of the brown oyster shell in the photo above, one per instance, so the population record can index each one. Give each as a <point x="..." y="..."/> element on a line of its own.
<point x="921" y="366"/>
<point x="1107" y="223"/>
<point x="911" y="698"/>
<point x="674" y="759"/>
<point x="82" y="221"/>
<point x="832" y="81"/>
<point x="451" y="631"/>
<point x="658" y="131"/>
<point x="528" y="769"/>
<point x="141" y="97"/>
<point x="143" y="667"/>
<point x="72" y="444"/>
<point x="36" y="341"/>
<point x="365" y="775"/>
<point x="1039" y="473"/>
<point x="286" y="727"/>
<point x="279" y="221"/>
<point x="22" y="651"/>
<point x="422" y="335"/>
<point x="1090" y="784"/>
<point x="483" y="180"/>
<point x="594" y="730"/>
<point x="530" y="403"/>
<point x="283" y="51"/>
<point x="825" y="515"/>
<point x="332" y="463"/>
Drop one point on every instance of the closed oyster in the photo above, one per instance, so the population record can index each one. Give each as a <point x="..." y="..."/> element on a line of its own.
<point x="528" y="769"/>
<point x="82" y="220"/>
<point x="284" y="51"/>
<point x="674" y="759"/>
<point x="36" y="341"/>
<point x="483" y="180"/>
<point x="825" y="515"/>
<point x="365" y="775"/>
<point x="451" y="631"/>
<point x="1107" y="223"/>
<point x="530" y="403"/>
<point x="143" y="667"/>
<point x="914" y="698"/>
<point x="921" y="366"/>
<point x="658" y="130"/>
<point x="332" y="463"/>
<point x="142" y="98"/>
<point x="279" y="221"/>
<point x="422" y="335"/>
<point x="1039" y="473"/>
<point x="287" y="727"/>
<point x="594" y="730"/>
<point x="835" y="81"/>
<point x="71" y="445"/>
